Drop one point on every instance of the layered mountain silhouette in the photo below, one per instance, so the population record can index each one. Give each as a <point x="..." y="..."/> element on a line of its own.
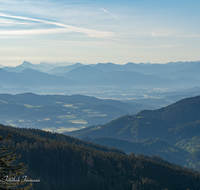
<point x="163" y="123"/>
<point x="32" y="78"/>
<point x="39" y="78"/>
<point x="84" y="73"/>
<point x="93" y="76"/>
<point x="178" y="124"/>
<point x="9" y="79"/>
<point x="64" y="69"/>
<point x="180" y="74"/>
<point x="170" y="74"/>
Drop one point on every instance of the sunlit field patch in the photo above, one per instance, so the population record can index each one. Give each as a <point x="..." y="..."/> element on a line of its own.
<point x="30" y="106"/>
<point x="3" y="101"/>
<point x="80" y="121"/>
<point x="47" y="119"/>
<point x="67" y="105"/>
<point x="64" y="129"/>
<point x="67" y="117"/>
<point x="61" y="129"/>
<point x="58" y="102"/>
<point x="99" y="127"/>
<point x="21" y="120"/>
<point x="98" y="115"/>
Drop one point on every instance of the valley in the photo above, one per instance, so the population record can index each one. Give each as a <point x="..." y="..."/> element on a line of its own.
<point x="99" y="95"/>
<point x="145" y="122"/>
<point x="59" y="113"/>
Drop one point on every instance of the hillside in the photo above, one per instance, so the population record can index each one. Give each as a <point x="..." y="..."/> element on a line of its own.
<point x="64" y="165"/>
<point x="178" y="124"/>
<point x="158" y="147"/>
<point x="162" y="123"/>
<point x="59" y="112"/>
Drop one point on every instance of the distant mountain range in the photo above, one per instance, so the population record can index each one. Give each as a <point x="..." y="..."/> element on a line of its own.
<point x="43" y="66"/>
<point x="148" y="69"/>
<point x="33" y="79"/>
<point x="93" y="76"/>
<point x="41" y="79"/>
<point x="109" y="74"/>
<point x="64" y="69"/>
<point x="10" y="80"/>
<point x="178" y="124"/>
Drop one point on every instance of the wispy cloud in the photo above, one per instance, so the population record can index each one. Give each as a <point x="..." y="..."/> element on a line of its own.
<point x="157" y="46"/>
<point x="33" y="31"/>
<point x="109" y="13"/>
<point x="161" y="33"/>
<point x="62" y="28"/>
<point x="91" y="33"/>
<point x="104" y="10"/>
<point x="4" y="49"/>
<point x="10" y="22"/>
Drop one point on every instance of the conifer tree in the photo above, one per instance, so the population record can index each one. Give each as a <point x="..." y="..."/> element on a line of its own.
<point x="11" y="175"/>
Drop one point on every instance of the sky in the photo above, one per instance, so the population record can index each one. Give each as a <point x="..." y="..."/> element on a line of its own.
<point x="99" y="31"/>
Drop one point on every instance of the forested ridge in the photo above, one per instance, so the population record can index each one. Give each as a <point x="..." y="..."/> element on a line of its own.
<point x="60" y="164"/>
<point x="60" y="112"/>
<point x="177" y="124"/>
<point x="166" y="123"/>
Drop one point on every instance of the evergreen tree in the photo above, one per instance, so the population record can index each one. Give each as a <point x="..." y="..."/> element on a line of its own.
<point x="10" y="174"/>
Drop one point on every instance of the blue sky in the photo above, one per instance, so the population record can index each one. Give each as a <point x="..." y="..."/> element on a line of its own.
<point x="99" y="31"/>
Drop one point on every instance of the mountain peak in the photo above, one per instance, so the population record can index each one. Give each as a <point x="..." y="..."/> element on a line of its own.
<point x="26" y="64"/>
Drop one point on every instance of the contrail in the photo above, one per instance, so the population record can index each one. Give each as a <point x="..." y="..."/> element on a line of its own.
<point x="89" y="32"/>
<point x="109" y="13"/>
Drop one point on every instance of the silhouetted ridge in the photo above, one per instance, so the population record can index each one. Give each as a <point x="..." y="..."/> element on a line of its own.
<point x="70" y="166"/>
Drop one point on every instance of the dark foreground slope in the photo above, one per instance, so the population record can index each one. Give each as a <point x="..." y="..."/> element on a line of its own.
<point x="63" y="165"/>
<point x="159" y="147"/>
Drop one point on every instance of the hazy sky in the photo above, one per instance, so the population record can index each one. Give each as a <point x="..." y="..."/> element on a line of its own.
<point x="156" y="31"/>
